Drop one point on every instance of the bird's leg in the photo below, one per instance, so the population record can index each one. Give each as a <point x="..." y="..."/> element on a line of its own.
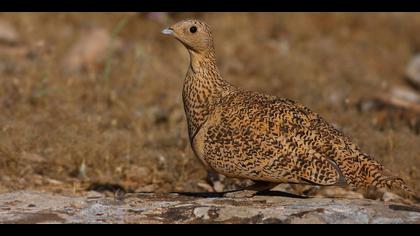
<point x="251" y="191"/>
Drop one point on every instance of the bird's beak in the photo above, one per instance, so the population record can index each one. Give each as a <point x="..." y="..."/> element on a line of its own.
<point x="168" y="31"/>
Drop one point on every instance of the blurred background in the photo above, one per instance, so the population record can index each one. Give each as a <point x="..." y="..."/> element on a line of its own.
<point x="93" y="100"/>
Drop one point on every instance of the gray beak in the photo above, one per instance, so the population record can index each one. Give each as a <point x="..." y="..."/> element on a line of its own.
<point x="167" y="31"/>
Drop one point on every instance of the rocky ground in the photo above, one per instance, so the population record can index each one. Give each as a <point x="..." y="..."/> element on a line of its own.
<point x="37" y="207"/>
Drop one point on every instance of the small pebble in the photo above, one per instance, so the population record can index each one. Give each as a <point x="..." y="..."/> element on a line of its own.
<point x="413" y="71"/>
<point x="8" y="33"/>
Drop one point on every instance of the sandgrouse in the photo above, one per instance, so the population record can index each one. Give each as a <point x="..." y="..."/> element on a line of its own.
<point x="267" y="139"/>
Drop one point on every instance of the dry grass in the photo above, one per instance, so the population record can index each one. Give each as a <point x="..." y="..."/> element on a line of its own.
<point x="122" y="120"/>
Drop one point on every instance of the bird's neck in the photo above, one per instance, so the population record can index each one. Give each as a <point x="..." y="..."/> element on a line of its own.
<point x="203" y="88"/>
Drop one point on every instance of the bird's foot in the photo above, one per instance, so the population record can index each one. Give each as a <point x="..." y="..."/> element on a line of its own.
<point x="250" y="191"/>
<point x="241" y="194"/>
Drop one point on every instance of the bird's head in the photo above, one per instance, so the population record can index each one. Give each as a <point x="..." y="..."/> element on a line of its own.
<point x="194" y="34"/>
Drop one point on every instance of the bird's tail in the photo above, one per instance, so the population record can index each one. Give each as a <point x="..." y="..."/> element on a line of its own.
<point x="372" y="174"/>
<point x="398" y="185"/>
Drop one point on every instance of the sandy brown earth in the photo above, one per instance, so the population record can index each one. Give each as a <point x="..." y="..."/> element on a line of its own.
<point x="93" y="100"/>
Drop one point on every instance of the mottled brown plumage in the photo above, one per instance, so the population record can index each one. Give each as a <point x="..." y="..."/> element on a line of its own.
<point x="264" y="138"/>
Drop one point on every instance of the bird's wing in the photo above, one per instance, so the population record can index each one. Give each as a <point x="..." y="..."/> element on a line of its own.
<point x="271" y="139"/>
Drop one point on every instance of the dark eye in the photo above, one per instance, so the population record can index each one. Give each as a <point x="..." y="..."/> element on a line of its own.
<point x="193" y="29"/>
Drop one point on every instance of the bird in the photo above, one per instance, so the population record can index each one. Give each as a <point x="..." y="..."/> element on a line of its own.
<point x="264" y="138"/>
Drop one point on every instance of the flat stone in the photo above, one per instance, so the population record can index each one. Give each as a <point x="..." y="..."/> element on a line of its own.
<point x="180" y="208"/>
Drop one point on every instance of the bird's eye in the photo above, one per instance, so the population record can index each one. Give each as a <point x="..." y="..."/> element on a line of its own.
<point x="193" y="29"/>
